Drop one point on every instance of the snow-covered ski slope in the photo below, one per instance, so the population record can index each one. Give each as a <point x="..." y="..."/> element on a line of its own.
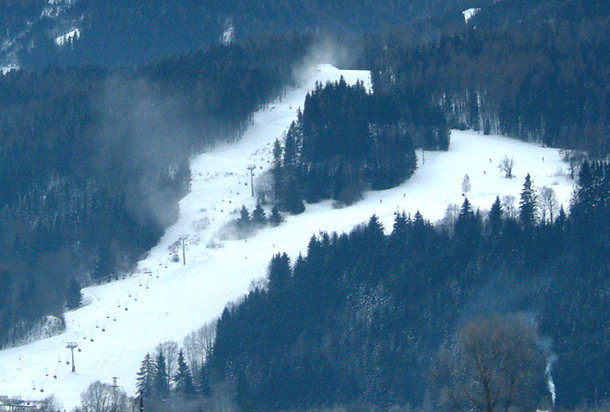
<point x="166" y="300"/>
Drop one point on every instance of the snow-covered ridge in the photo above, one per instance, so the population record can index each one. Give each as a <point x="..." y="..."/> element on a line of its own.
<point x="166" y="300"/>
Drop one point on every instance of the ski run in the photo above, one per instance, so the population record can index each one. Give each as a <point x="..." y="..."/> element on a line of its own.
<point x="166" y="300"/>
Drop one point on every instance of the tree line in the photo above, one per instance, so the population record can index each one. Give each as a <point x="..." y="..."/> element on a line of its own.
<point x="360" y="319"/>
<point x="346" y="141"/>
<point x="541" y="78"/>
<point x="94" y="160"/>
<point x="154" y="30"/>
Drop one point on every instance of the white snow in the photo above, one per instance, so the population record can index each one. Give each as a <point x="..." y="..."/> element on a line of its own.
<point x="127" y="318"/>
<point x="469" y="13"/>
<point x="69" y="37"/>
<point x="55" y="7"/>
<point x="8" y="68"/>
<point x="228" y="35"/>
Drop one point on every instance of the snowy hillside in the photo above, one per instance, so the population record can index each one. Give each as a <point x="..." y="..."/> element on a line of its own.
<point x="165" y="300"/>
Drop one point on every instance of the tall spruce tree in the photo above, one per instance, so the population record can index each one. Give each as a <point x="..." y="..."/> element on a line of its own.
<point x="399" y="230"/>
<point x="279" y="272"/>
<point x="74" y="296"/>
<point x="528" y="205"/>
<point x="258" y="215"/>
<point x="276" y="172"/>
<point x="467" y="231"/>
<point x="204" y="381"/>
<point x="145" y="377"/>
<point x="293" y="201"/>
<point x="244" y="224"/>
<point x="495" y="217"/>
<point x="160" y="382"/>
<point x="276" y="218"/>
<point x="183" y="379"/>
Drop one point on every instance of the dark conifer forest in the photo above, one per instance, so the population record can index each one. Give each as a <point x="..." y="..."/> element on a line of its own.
<point x="347" y="141"/>
<point x="541" y="78"/>
<point x="360" y="318"/>
<point x="93" y="162"/>
<point x="96" y="134"/>
<point x="144" y="31"/>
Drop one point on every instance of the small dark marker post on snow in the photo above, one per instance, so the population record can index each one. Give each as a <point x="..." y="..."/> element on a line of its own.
<point x="251" y="169"/>
<point x="71" y="346"/>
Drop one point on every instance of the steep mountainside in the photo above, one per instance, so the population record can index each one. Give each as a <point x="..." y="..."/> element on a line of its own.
<point x="166" y="300"/>
<point x="36" y="33"/>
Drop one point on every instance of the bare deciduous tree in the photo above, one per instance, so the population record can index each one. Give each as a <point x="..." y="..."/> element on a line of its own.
<point x="466" y="187"/>
<point x="574" y="159"/>
<point x="197" y="346"/>
<point x="548" y="203"/>
<point x="451" y="216"/>
<point x="508" y="206"/>
<point x="102" y="397"/>
<point x="493" y="365"/>
<point x="50" y="404"/>
<point x="506" y="166"/>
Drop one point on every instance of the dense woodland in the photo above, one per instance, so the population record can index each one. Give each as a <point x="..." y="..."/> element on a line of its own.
<point x="93" y="161"/>
<point x="545" y="81"/>
<point x="155" y="29"/>
<point x="363" y="318"/>
<point x="347" y="141"/>
<point x="94" y="158"/>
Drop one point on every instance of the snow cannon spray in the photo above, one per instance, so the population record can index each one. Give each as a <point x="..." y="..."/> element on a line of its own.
<point x="551" y="359"/>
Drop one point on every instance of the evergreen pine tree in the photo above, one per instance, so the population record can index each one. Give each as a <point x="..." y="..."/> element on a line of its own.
<point x="183" y="379"/>
<point x="242" y="391"/>
<point x="293" y="202"/>
<point x="374" y="232"/>
<point x="290" y="149"/>
<point x="160" y="381"/>
<point x="561" y="218"/>
<point x="204" y="381"/>
<point x="467" y="230"/>
<point x="243" y="222"/>
<point x="145" y="377"/>
<point x="495" y="217"/>
<point x="244" y="215"/>
<point x="465" y="219"/>
<point x="6" y="282"/>
<point x="276" y="173"/>
<point x="276" y="218"/>
<point x="399" y="230"/>
<point x="74" y="296"/>
<point x="528" y="205"/>
<point x="279" y="272"/>
<point x="473" y="107"/>
<point x="258" y="215"/>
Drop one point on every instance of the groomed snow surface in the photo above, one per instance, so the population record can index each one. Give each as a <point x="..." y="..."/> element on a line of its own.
<point x="165" y="300"/>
